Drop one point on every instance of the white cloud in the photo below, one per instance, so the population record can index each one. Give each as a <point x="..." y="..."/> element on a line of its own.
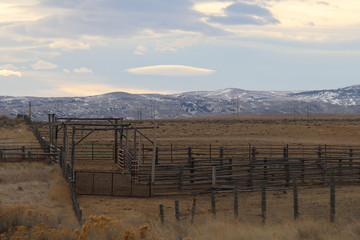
<point x="170" y="70"/>
<point x="212" y="8"/>
<point x="8" y="67"/>
<point x="140" y="50"/>
<point x="69" y="45"/>
<point x="6" y="73"/>
<point x="83" y="70"/>
<point x="174" y="45"/>
<point x="66" y="70"/>
<point x="43" y="65"/>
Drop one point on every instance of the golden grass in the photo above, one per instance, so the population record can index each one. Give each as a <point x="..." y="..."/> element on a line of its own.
<point x="38" y="187"/>
<point x="17" y="223"/>
<point x="17" y="133"/>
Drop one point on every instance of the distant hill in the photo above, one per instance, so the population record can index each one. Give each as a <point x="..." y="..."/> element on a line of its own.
<point x="198" y="103"/>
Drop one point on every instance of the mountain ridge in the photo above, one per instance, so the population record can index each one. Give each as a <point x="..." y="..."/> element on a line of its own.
<point x="187" y="104"/>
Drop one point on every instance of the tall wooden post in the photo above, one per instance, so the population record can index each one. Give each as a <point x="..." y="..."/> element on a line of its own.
<point x="153" y="162"/>
<point x="65" y="143"/>
<point x="263" y="202"/>
<point x="221" y="155"/>
<point x="286" y="165"/>
<point x="56" y="136"/>
<point x="332" y="199"/>
<point x="236" y="203"/>
<point x="135" y="145"/>
<point x="127" y="141"/>
<point x="73" y="151"/>
<point x="296" y="199"/>
<point x="121" y="138"/>
<point x="50" y="129"/>
<point x="116" y="143"/>
<point x="213" y="176"/>
<point x="139" y="152"/>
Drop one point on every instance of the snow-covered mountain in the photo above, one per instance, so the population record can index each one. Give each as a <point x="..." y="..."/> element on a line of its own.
<point x="197" y="103"/>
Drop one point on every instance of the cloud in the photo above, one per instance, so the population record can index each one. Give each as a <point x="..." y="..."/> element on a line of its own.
<point x="6" y="73"/>
<point x="170" y="70"/>
<point x="8" y="67"/>
<point x="121" y="18"/>
<point x="174" y="45"/>
<point x="323" y="3"/>
<point x="212" y="8"/>
<point x="43" y="65"/>
<point x="66" y="70"/>
<point x="244" y="13"/>
<point x="83" y="70"/>
<point x="140" y="50"/>
<point x="68" y="45"/>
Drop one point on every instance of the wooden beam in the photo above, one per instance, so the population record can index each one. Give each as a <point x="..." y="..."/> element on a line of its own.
<point x="153" y="162"/>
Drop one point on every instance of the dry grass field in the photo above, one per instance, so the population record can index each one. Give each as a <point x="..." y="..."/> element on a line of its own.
<point x="38" y="187"/>
<point x="16" y="132"/>
<point x="259" y="130"/>
<point x="138" y="218"/>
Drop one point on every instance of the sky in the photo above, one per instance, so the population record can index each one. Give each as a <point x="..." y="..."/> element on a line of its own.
<point x="66" y="48"/>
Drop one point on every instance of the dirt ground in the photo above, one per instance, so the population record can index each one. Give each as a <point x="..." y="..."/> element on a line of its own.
<point x="261" y="130"/>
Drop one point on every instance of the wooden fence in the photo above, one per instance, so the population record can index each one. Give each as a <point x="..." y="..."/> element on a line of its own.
<point x="205" y="169"/>
<point x="267" y="207"/>
<point x="110" y="184"/>
<point x="9" y="153"/>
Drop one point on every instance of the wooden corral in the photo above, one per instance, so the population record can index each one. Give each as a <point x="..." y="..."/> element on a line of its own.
<point x="177" y="169"/>
<point x="78" y="139"/>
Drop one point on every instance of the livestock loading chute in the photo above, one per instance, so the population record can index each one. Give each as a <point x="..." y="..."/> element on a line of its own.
<point x="103" y="155"/>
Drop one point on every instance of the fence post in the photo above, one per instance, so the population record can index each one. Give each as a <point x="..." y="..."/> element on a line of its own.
<point x="265" y="170"/>
<point x="252" y="160"/>
<point x="213" y="176"/>
<point x="193" y="209"/>
<point x="325" y="172"/>
<point x="171" y="152"/>
<point x="302" y="170"/>
<point x="296" y="199"/>
<point x="230" y="169"/>
<point x="221" y="155"/>
<point x="191" y="162"/>
<point x="1" y="155"/>
<point x="210" y="152"/>
<point x="161" y="206"/>
<point x="29" y="156"/>
<point x="177" y="210"/>
<point x="351" y="158"/>
<point x="319" y="152"/>
<point x="189" y="155"/>
<point x="157" y="156"/>
<point x="23" y="153"/>
<point x="263" y="202"/>
<point x="236" y="204"/>
<point x="287" y="168"/>
<point x="181" y="179"/>
<point x="213" y="208"/>
<point x="332" y="199"/>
